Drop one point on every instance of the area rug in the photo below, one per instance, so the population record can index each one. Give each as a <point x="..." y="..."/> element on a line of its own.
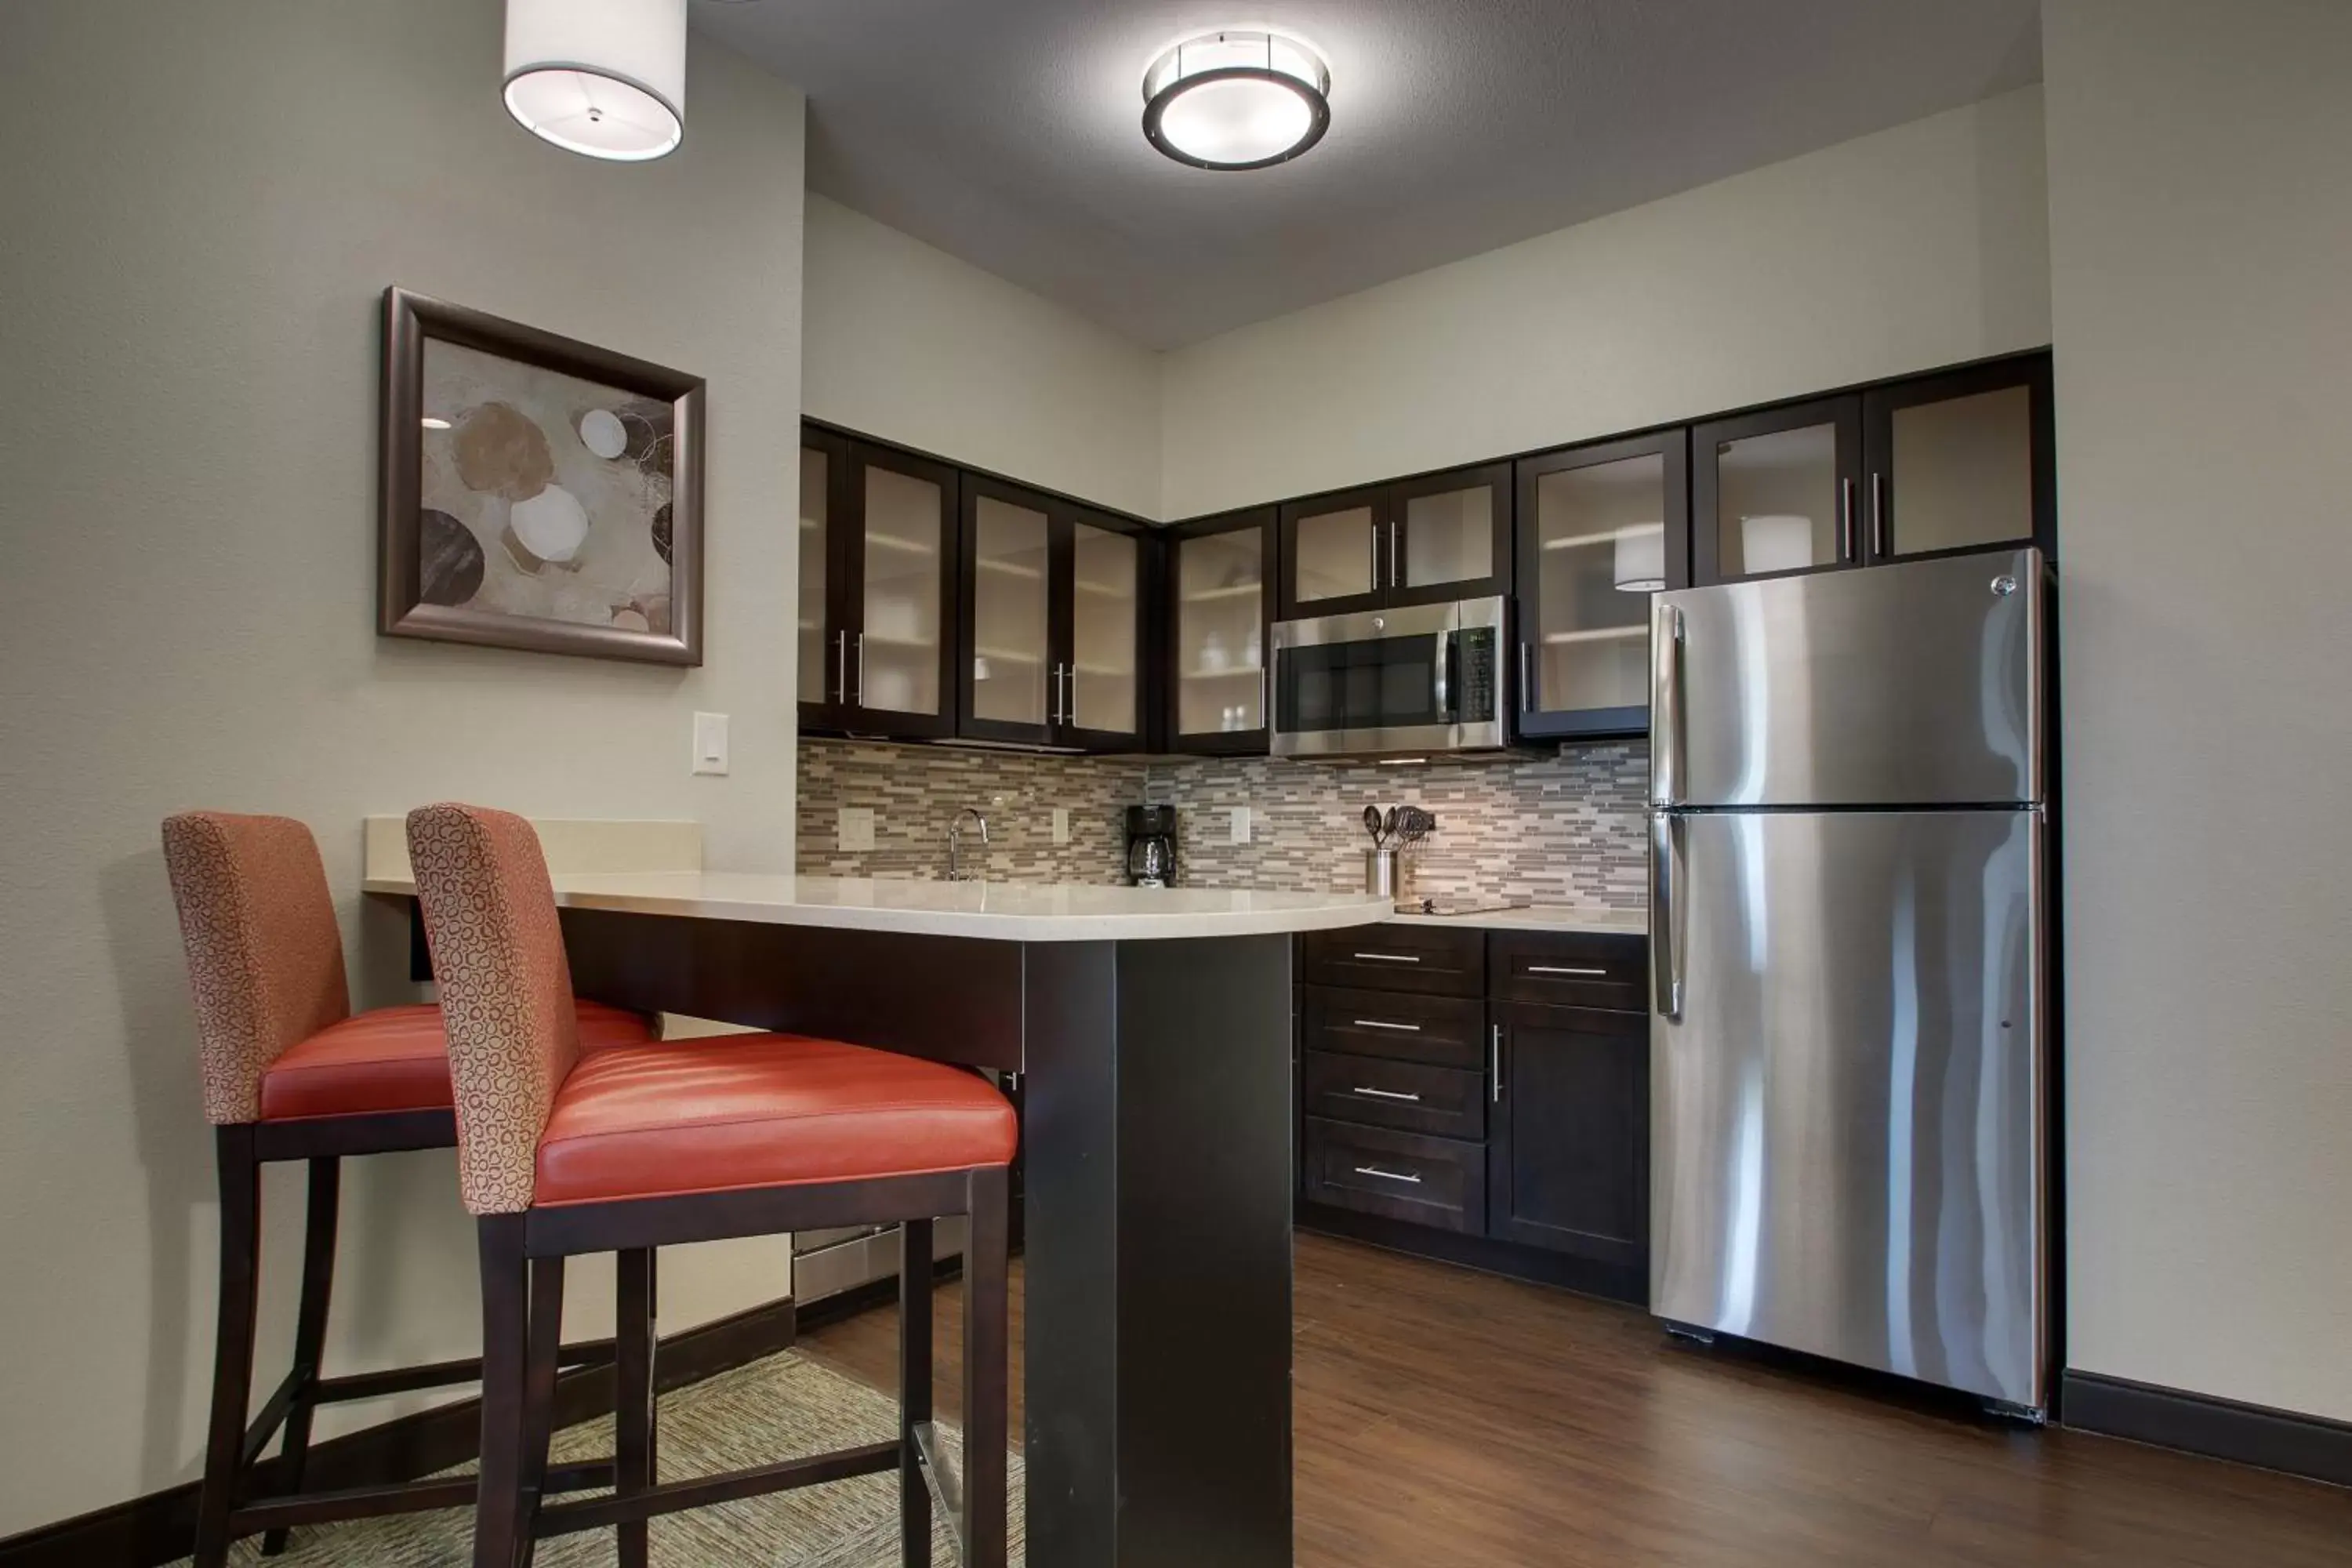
<point x="772" y="1410"/>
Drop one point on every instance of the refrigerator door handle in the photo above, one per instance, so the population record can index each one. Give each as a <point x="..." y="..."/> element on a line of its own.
<point x="1666" y="707"/>
<point x="1666" y="921"/>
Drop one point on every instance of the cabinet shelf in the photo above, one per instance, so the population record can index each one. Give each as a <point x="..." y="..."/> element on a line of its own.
<point x="1003" y="568"/>
<point x="1237" y="590"/>
<point x="1252" y="670"/>
<point x="876" y="639"/>
<point x="899" y="544"/>
<point x="1608" y="536"/>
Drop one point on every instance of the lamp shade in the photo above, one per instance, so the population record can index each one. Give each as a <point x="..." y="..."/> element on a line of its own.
<point x="1237" y="101"/>
<point x="1641" y="558"/>
<point x="602" y="78"/>
<point x="1776" y="542"/>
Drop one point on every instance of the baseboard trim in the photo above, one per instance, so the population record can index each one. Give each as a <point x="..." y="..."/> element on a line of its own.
<point x="1535" y="1264"/>
<point x="161" y="1528"/>
<point x="2306" y="1446"/>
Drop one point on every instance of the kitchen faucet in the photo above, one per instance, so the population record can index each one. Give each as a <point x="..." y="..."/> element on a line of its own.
<point x="955" y="840"/>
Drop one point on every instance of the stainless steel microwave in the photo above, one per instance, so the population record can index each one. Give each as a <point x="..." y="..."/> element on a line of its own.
<point x="1424" y="678"/>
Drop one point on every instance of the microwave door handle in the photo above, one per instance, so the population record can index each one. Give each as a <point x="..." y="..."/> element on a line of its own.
<point x="1444" y="705"/>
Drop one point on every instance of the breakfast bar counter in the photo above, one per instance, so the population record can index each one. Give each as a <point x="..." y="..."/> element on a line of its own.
<point x="1148" y="1036"/>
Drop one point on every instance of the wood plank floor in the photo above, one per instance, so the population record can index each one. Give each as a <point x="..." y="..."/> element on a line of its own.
<point x="1446" y="1419"/>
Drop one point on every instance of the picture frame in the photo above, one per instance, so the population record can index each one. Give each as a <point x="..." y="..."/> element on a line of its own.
<point x="536" y="492"/>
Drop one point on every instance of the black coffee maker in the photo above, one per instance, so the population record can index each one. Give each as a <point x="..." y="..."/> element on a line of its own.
<point x="1150" y="845"/>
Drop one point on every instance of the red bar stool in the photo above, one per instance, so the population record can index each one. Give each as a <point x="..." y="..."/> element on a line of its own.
<point x="560" y="1153"/>
<point x="291" y="1073"/>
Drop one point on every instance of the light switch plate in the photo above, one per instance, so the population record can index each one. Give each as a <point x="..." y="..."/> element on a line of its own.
<point x="854" y="828"/>
<point x="1240" y="822"/>
<point x="1061" y="825"/>
<point x="710" y="742"/>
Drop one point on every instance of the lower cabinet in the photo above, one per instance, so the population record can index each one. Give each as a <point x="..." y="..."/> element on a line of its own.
<point x="1567" y="1154"/>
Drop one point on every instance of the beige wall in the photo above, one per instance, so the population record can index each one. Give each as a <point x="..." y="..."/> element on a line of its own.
<point x="908" y="342"/>
<point x="2200" y="236"/>
<point x="1918" y="246"/>
<point x="205" y="200"/>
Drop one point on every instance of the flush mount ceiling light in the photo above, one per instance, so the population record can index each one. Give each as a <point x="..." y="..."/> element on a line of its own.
<point x="1237" y="101"/>
<point x="602" y="78"/>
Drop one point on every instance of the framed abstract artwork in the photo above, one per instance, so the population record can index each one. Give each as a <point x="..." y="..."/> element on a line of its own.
<point x="537" y="492"/>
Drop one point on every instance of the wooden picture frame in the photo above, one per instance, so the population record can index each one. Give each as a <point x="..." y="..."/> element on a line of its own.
<point x="466" y="571"/>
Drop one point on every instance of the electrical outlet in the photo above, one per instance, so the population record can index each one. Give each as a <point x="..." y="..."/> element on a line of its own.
<point x="1061" y="825"/>
<point x="710" y="742"/>
<point x="854" y="828"/>
<point x="1239" y="823"/>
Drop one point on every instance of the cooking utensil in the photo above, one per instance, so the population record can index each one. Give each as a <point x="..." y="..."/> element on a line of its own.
<point x="1373" y="824"/>
<point x="1389" y="826"/>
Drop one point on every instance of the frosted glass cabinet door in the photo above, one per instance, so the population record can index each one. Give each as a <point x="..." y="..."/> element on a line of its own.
<point x="1776" y="492"/>
<point x="1451" y="536"/>
<point x="1011" y="558"/>
<point x="1221" y="608"/>
<point x="819" y="664"/>
<point x="1334" y="551"/>
<point x="1602" y="528"/>
<point x="904" y="562"/>
<point x="1104" y="685"/>
<point x="1960" y="461"/>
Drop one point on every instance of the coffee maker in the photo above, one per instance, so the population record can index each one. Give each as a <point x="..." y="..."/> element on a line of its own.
<point x="1150" y="845"/>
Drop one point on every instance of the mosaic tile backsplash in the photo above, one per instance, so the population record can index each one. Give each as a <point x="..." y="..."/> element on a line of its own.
<point x="1555" y="829"/>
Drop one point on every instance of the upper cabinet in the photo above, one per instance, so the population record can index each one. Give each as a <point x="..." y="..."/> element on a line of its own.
<point x="1960" y="460"/>
<point x="1053" y="595"/>
<point x="1220" y="618"/>
<point x="877" y="606"/>
<point x="1416" y="541"/>
<point x="1602" y="528"/>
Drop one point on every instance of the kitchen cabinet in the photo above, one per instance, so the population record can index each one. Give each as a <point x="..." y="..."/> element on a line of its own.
<point x="1958" y="461"/>
<point x="1567" y="1153"/>
<point x="1427" y="540"/>
<point x="1601" y="528"/>
<point x="877" y="606"/>
<point x="1054" y="635"/>
<point x="1220" y="618"/>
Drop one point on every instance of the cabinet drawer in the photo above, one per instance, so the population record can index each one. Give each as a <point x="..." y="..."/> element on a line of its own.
<point x="1376" y="1091"/>
<point x="1443" y="1031"/>
<point x="1429" y="960"/>
<point x="1572" y="969"/>
<point x="1424" y="1181"/>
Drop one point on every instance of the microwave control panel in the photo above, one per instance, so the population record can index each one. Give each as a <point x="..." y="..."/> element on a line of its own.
<point x="1474" y="696"/>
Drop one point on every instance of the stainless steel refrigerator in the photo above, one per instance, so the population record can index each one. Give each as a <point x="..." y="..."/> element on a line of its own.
<point x="1848" y="1031"/>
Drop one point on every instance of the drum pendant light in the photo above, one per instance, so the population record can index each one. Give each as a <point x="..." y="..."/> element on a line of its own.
<point x="1237" y="101"/>
<point x="606" y="79"/>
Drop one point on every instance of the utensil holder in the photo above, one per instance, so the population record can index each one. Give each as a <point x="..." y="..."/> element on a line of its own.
<point x="1382" y="873"/>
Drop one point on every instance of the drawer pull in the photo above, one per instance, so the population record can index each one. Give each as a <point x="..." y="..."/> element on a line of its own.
<point x="1563" y="969"/>
<point x="1389" y="957"/>
<point x="1377" y="1024"/>
<point x="1409" y="1181"/>
<point x="1384" y="1093"/>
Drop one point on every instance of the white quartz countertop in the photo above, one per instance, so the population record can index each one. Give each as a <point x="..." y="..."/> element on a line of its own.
<point x="1005" y="911"/>
<point x="1543" y="917"/>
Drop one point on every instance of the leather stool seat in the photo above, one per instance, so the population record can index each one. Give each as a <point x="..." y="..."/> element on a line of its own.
<point x="760" y="1111"/>
<point x="397" y="1059"/>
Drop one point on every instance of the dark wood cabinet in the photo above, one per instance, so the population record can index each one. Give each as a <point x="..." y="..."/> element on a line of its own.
<point x="1055" y="646"/>
<point x="1601" y="528"/>
<point x="1776" y="493"/>
<point x="1960" y="461"/>
<point x="1219" y="606"/>
<point x="1568" y="1150"/>
<point x="1441" y="960"/>
<point x="878" y="605"/>
<point x="1439" y="1182"/>
<point x="1426" y="541"/>
<point x="1607" y="970"/>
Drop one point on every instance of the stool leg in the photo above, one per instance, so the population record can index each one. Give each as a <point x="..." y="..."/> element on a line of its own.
<point x="321" y="1211"/>
<point x="986" y="1381"/>
<point x="915" y="1282"/>
<point x="634" y="1412"/>
<point x="498" y="1507"/>
<point x="539" y="1395"/>
<point x="241" y="1224"/>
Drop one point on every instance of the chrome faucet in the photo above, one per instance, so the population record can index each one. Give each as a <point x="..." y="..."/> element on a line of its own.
<point x="955" y="840"/>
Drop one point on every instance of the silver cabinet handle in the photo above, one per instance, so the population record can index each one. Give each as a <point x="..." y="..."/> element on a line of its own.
<point x="1409" y="1181"/>
<point x="1666" y="707"/>
<point x="1527" y="677"/>
<point x="1877" y="513"/>
<point x="860" y="698"/>
<point x="1389" y="957"/>
<point x="1666" y="917"/>
<point x="1373" y="538"/>
<point x="1846" y="519"/>
<point x="1562" y="968"/>
<point x="1371" y="1093"/>
<point x="1495" y="1062"/>
<point x="1054" y="704"/>
<point x="1265" y="694"/>
<point x="1070" y="701"/>
<point x="1393" y="536"/>
<point x="841" y="666"/>
<point x="1377" y="1024"/>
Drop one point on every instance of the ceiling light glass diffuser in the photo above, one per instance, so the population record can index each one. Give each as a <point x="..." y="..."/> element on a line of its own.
<point x="602" y="78"/>
<point x="1237" y="101"/>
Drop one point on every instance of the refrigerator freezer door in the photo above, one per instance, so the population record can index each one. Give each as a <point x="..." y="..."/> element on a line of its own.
<point x="1915" y="684"/>
<point x="1845" y="1151"/>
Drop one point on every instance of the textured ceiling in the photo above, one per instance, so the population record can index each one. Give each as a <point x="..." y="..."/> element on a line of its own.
<point x="1007" y="132"/>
